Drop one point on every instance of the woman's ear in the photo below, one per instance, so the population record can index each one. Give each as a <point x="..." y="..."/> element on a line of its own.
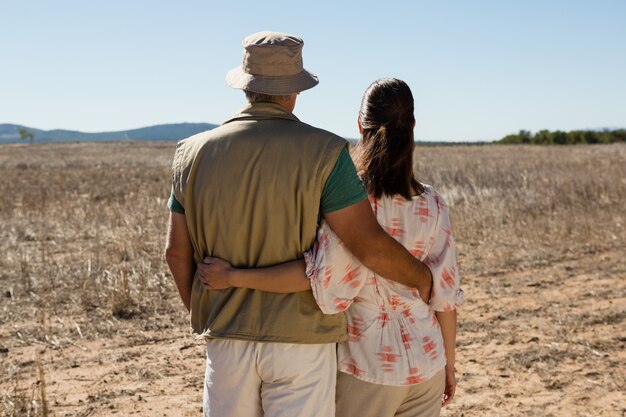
<point x="358" y="121"/>
<point x="413" y="125"/>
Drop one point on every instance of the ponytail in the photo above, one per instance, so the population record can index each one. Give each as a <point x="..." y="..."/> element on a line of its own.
<point x="385" y="154"/>
<point x="385" y="160"/>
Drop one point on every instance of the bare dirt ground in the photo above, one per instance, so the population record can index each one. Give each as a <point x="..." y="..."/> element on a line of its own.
<point x="90" y="322"/>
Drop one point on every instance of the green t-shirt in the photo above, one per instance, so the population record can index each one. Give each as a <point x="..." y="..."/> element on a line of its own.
<point x="174" y="205"/>
<point x="343" y="188"/>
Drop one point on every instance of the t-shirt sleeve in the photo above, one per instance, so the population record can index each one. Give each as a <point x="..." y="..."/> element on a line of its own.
<point x="447" y="294"/>
<point x="336" y="275"/>
<point x="174" y="205"/>
<point x="343" y="187"/>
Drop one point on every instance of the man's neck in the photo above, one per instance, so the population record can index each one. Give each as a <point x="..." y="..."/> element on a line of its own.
<point x="288" y="105"/>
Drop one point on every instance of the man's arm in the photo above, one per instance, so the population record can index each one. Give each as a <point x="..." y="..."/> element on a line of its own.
<point x="358" y="228"/>
<point x="179" y="256"/>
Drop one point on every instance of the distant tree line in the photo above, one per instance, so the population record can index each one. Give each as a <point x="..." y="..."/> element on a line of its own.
<point x="575" y="137"/>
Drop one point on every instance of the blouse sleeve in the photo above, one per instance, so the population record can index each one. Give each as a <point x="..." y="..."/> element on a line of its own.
<point x="441" y="259"/>
<point x="336" y="275"/>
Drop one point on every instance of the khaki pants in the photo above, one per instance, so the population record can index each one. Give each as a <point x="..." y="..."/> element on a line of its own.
<point x="254" y="379"/>
<point x="357" y="398"/>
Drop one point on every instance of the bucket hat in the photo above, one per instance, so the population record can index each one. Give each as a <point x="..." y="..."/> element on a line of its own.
<point x="272" y="64"/>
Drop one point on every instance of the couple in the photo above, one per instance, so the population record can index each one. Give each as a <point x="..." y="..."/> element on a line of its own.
<point x="282" y="202"/>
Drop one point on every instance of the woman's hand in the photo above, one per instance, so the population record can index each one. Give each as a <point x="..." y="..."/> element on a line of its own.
<point x="214" y="274"/>
<point x="450" y="388"/>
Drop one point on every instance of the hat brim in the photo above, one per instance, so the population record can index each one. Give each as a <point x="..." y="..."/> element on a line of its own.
<point x="277" y="85"/>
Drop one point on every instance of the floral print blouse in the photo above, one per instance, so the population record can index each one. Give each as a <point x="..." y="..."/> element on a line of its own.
<point x="394" y="337"/>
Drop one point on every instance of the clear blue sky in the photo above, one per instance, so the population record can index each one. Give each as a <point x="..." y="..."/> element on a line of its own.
<point x="478" y="69"/>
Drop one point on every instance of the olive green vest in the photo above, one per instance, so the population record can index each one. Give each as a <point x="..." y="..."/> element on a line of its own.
<point x="251" y="190"/>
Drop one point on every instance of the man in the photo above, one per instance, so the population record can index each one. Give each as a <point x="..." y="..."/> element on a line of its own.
<point x="252" y="191"/>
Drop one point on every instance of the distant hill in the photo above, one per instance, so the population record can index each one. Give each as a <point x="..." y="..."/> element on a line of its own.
<point x="9" y="133"/>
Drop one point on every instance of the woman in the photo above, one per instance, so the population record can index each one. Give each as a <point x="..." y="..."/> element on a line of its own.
<point x="399" y="356"/>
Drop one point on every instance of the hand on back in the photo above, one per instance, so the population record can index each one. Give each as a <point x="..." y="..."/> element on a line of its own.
<point x="214" y="273"/>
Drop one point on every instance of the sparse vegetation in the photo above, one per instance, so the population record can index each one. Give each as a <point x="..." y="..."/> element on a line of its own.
<point x="541" y="233"/>
<point x="574" y="137"/>
<point x="25" y="134"/>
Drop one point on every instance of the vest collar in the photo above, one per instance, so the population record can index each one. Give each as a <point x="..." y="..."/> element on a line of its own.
<point x="262" y="111"/>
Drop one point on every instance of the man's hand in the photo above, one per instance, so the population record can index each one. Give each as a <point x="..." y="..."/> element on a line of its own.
<point x="426" y="290"/>
<point x="214" y="273"/>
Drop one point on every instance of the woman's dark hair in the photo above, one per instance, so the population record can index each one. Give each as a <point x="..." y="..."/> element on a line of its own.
<point x="385" y="154"/>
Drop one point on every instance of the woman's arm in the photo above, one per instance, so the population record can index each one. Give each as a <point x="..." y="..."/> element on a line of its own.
<point x="288" y="277"/>
<point x="330" y="270"/>
<point x="447" y="322"/>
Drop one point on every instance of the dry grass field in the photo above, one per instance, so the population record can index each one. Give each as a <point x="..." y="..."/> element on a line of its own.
<point x="91" y="324"/>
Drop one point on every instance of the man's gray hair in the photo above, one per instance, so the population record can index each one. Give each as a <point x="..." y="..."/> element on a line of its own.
<point x="266" y="98"/>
